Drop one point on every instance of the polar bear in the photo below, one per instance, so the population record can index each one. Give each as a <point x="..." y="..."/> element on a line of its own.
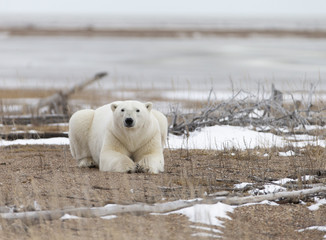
<point x="124" y="136"/>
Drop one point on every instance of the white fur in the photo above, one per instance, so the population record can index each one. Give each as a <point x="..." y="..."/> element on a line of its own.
<point x="99" y="137"/>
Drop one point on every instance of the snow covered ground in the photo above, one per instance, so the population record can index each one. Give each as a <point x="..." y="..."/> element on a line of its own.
<point x="227" y="137"/>
<point x="211" y="138"/>
<point x="48" y="141"/>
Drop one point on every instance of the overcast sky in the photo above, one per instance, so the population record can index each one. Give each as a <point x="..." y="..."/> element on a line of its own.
<point x="168" y="7"/>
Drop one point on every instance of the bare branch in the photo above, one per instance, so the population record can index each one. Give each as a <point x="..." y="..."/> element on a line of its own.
<point x="248" y="111"/>
<point x="156" y="208"/>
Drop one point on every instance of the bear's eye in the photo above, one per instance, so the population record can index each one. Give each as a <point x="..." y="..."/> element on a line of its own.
<point x="122" y="110"/>
<point x="137" y="110"/>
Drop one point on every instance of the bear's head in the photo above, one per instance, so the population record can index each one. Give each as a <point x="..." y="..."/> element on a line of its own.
<point x="131" y="114"/>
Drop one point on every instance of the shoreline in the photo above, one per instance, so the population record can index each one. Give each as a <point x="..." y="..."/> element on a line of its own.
<point x="143" y="32"/>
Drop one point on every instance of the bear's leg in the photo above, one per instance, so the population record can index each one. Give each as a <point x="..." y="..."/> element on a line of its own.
<point x="152" y="163"/>
<point x="112" y="161"/>
<point x="86" y="162"/>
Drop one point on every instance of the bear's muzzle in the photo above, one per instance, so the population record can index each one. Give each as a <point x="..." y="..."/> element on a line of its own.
<point x="129" y="122"/>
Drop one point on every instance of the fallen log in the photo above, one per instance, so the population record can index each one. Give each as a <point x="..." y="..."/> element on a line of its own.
<point x="273" y="196"/>
<point x="32" y="135"/>
<point x="142" y="208"/>
<point x="100" y="211"/>
<point x="34" y="120"/>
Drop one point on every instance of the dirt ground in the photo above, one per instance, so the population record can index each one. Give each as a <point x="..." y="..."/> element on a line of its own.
<point x="49" y="175"/>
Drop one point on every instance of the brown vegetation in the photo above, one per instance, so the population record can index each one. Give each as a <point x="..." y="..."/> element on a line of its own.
<point x="49" y="175"/>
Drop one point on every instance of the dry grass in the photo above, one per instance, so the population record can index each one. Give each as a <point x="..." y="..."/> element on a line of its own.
<point x="49" y="175"/>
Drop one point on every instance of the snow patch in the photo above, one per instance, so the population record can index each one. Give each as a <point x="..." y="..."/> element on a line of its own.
<point x="284" y="181"/>
<point x="271" y="203"/>
<point x="206" y="213"/>
<point x="37" y="206"/>
<point x="227" y="137"/>
<point x="221" y="137"/>
<point x="308" y="178"/>
<point x="268" y="188"/>
<point x="256" y="113"/>
<point x="242" y="185"/>
<point x="206" y="235"/>
<point x="319" y="228"/>
<point x="286" y="154"/>
<point x="316" y="206"/>
<point x="109" y="217"/>
<point x="45" y="141"/>
<point x="206" y="229"/>
<point x="68" y="216"/>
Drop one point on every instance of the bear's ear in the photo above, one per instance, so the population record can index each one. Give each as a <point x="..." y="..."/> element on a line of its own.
<point x="149" y="106"/>
<point x="114" y="106"/>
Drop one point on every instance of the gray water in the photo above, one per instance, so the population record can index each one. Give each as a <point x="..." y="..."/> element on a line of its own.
<point x="181" y="63"/>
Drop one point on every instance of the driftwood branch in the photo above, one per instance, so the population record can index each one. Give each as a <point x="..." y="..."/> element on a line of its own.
<point x="35" y="120"/>
<point x="32" y="135"/>
<point x="142" y="208"/>
<point x="58" y="102"/>
<point x="249" y="111"/>
<point x="273" y="196"/>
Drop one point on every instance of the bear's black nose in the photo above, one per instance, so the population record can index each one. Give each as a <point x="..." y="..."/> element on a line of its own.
<point x="129" y="122"/>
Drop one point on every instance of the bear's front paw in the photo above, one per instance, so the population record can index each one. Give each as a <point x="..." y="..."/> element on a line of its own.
<point x="140" y="169"/>
<point x="127" y="166"/>
<point x="117" y="163"/>
<point x="86" y="162"/>
<point x="151" y="164"/>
